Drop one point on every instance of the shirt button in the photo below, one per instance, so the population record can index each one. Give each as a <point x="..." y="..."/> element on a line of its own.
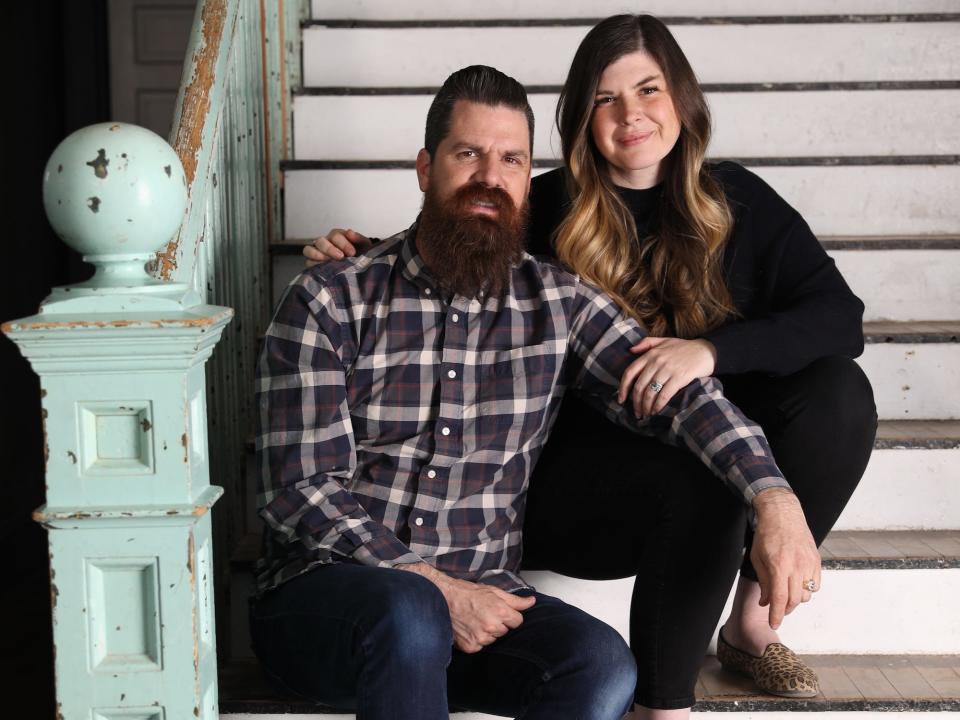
<point x="455" y="317"/>
<point x="445" y="431"/>
<point x="452" y="374"/>
<point x="418" y="522"/>
<point x="431" y="473"/>
<point x="427" y="291"/>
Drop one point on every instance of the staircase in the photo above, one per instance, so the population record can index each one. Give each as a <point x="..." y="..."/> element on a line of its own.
<point x="850" y="109"/>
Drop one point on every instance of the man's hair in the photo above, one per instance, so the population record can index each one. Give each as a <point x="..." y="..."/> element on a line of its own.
<point x="478" y="84"/>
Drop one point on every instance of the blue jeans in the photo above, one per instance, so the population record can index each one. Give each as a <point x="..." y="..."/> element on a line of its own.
<point x="378" y="642"/>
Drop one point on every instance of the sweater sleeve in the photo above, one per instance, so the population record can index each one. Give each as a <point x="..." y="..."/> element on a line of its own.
<point x="802" y="308"/>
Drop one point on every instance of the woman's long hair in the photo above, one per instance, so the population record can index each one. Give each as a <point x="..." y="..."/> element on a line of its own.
<point x="672" y="282"/>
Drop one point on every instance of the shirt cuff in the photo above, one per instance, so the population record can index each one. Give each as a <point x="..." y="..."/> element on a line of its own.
<point x="385" y="551"/>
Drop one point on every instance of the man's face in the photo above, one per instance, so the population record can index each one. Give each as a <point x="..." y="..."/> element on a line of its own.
<point x="486" y="145"/>
<point x="475" y="187"/>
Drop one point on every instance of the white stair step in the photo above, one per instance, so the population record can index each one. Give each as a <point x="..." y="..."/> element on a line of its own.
<point x="498" y="9"/>
<point x="867" y="605"/>
<point x="914" y="369"/>
<point x="843" y="200"/>
<point x="905" y="284"/>
<point x="412" y="56"/>
<point x="912" y="481"/>
<point x="746" y="124"/>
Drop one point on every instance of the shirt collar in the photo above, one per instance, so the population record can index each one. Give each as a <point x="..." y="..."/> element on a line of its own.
<point x="412" y="265"/>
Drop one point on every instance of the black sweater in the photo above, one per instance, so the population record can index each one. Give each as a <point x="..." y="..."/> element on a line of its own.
<point x="794" y="305"/>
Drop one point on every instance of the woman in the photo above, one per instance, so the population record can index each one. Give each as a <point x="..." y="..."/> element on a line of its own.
<point x="731" y="282"/>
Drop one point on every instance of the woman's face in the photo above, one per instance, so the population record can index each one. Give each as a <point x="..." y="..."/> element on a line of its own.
<point x="634" y="123"/>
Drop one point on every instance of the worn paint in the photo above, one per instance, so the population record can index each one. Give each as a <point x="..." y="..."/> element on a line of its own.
<point x="190" y="322"/>
<point x="100" y="163"/>
<point x="195" y="109"/>
<point x="145" y="425"/>
<point x="72" y="456"/>
<point x="94" y="204"/>
<point x="186" y="451"/>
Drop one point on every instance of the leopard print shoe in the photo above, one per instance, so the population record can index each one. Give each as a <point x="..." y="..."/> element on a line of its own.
<point x="779" y="671"/>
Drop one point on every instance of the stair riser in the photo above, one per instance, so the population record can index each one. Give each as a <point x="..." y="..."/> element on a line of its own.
<point x="498" y="9"/>
<point x="906" y="489"/>
<point x="858" y="611"/>
<point x="902" y="285"/>
<point x="755" y="124"/>
<point x="380" y="57"/>
<point x="899" y="200"/>
<point x="914" y="382"/>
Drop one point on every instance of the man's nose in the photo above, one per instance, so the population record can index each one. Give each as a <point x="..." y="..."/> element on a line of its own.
<point x="488" y="173"/>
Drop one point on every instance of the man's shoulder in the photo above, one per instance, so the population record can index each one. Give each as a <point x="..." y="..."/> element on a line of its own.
<point x="546" y="272"/>
<point x="338" y="277"/>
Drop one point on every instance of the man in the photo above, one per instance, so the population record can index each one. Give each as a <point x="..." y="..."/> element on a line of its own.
<point x="405" y="396"/>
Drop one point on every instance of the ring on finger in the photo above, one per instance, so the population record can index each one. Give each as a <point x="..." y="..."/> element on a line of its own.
<point x="656" y="387"/>
<point x="810" y="585"/>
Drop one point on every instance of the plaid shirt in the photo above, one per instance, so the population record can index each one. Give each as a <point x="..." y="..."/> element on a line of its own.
<point x="398" y="425"/>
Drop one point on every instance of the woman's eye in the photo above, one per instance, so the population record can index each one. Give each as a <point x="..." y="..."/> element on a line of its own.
<point x="648" y="90"/>
<point x="602" y="101"/>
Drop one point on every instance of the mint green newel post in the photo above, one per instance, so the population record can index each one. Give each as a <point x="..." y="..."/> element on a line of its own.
<point x="121" y="362"/>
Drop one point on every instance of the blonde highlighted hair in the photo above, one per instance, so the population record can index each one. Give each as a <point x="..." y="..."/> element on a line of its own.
<point x="672" y="282"/>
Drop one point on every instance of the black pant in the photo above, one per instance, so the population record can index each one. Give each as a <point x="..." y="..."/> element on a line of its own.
<point x="605" y="503"/>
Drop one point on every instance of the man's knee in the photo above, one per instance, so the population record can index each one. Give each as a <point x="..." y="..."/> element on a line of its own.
<point x="607" y="668"/>
<point x="409" y="618"/>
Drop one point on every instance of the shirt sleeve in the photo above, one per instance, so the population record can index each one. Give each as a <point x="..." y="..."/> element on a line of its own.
<point x="305" y="444"/>
<point x="808" y="310"/>
<point x="698" y="418"/>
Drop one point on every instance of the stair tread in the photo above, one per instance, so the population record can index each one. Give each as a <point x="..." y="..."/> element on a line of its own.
<point x="848" y="682"/>
<point x="912" y="327"/>
<point x="932" y="434"/>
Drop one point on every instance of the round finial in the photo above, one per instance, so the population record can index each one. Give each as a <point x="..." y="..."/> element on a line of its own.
<point x="116" y="193"/>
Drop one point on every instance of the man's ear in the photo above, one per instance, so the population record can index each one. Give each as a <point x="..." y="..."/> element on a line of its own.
<point x="423" y="169"/>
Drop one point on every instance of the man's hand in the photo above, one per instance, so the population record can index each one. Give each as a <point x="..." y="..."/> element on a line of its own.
<point x="335" y="245"/>
<point x="672" y="362"/>
<point x="784" y="553"/>
<point x="479" y="613"/>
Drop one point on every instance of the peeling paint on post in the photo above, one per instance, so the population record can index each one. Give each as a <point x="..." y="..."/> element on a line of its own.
<point x="197" y="114"/>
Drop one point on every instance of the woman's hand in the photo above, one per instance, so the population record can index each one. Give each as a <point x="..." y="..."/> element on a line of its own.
<point x="671" y="363"/>
<point x="335" y="245"/>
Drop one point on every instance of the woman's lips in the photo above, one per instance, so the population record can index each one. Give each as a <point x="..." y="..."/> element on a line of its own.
<point x="635" y="138"/>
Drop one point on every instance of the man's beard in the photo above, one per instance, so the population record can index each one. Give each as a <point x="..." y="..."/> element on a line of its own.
<point x="469" y="253"/>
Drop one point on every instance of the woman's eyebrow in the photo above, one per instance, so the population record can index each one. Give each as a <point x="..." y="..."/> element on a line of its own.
<point x="601" y="91"/>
